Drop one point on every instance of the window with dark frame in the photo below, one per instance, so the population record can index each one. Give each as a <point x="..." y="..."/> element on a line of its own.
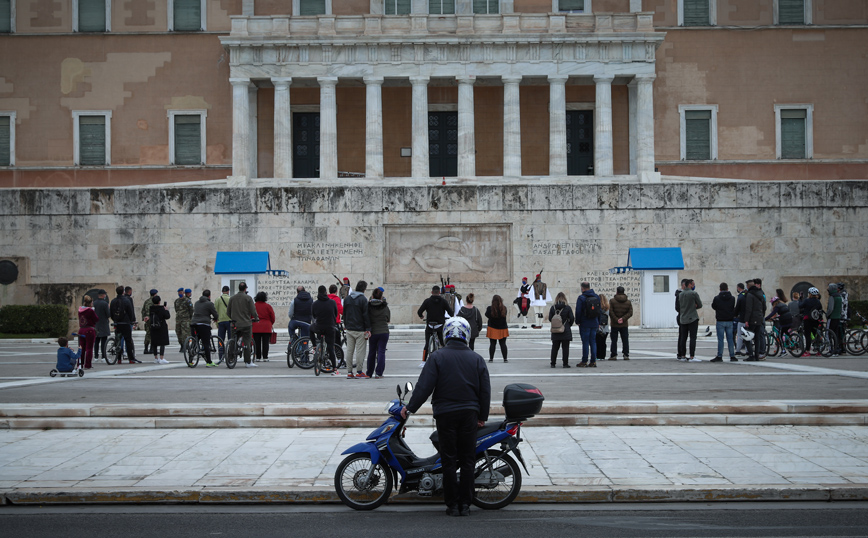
<point x="791" y="12"/>
<point x="697" y="127"/>
<point x="696" y="13"/>
<point x="397" y="7"/>
<point x="91" y="15"/>
<point x="308" y="8"/>
<point x="187" y="16"/>
<point x="794" y="133"/>
<point x="571" y="5"/>
<point x="486" y="7"/>
<point x="441" y="7"/>
<point x="188" y="139"/>
<point x="91" y="141"/>
<point x="5" y="141"/>
<point x="5" y="16"/>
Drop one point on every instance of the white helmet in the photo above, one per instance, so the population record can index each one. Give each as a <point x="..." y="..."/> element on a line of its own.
<point x="813" y="291"/>
<point x="746" y="334"/>
<point x="456" y="327"/>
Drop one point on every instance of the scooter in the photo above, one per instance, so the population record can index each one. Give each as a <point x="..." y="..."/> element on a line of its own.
<point x="365" y="478"/>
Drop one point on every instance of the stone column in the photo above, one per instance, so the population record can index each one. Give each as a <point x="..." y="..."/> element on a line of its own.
<point x="374" y="127"/>
<point x="603" y="148"/>
<point x="632" y="103"/>
<point x="557" y="125"/>
<point x="420" y="164"/>
<point x="511" y="126"/>
<point x="466" y="129"/>
<point x="645" y="128"/>
<point x="253" y="144"/>
<point x="240" y="129"/>
<point x="328" y="128"/>
<point x="282" y="128"/>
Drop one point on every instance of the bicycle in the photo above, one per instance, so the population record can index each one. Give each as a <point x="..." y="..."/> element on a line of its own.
<point x="193" y="351"/>
<point x="433" y="343"/>
<point x="296" y="351"/>
<point x="113" y="355"/>
<point x="321" y="361"/>
<point x="779" y="342"/>
<point x="856" y="340"/>
<point x="234" y="348"/>
<point x="823" y="341"/>
<point x="340" y="340"/>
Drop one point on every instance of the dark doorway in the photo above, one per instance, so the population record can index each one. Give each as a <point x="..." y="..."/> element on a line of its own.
<point x="580" y="142"/>
<point x="443" y="144"/>
<point x="305" y="144"/>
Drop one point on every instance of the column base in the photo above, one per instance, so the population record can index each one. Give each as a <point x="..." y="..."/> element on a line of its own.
<point x="237" y="181"/>
<point x="649" y="177"/>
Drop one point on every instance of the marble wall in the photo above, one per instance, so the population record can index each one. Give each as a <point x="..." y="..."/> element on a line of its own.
<point x="166" y="238"/>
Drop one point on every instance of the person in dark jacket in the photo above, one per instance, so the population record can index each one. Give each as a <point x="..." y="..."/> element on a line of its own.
<point x="562" y="340"/>
<point x="811" y="310"/>
<point x="834" y="315"/>
<point x="262" y="329"/>
<point x="781" y="315"/>
<point x="497" y="330"/>
<point x="437" y="310"/>
<point x="357" y="323"/>
<point x="124" y="324"/>
<point x="204" y="312"/>
<point x="620" y="311"/>
<point x="300" y="312"/>
<point x="740" y="347"/>
<point x="103" y="325"/>
<point x="794" y="306"/>
<point x="378" y="311"/>
<point x="158" y="316"/>
<point x="459" y="381"/>
<point x="473" y="317"/>
<point x="587" y="326"/>
<point x="724" y="312"/>
<point x="754" y="303"/>
<point x="324" y="312"/>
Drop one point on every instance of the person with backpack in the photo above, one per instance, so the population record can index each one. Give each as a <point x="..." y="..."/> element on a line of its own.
<point x="603" y="329"/>
<point x="473" y="317"/>
<point x="588" y="318"/>
<point x="561" y="318"/>
<point x="158" y="316"/>
<point x="124" y="316"/>
<point x="812" y="313"/>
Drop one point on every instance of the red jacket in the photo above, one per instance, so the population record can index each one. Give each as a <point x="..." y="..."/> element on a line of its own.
<point x="266" y="318"/>
<point x="86" y="317"/>
<point x="338" y="302"/>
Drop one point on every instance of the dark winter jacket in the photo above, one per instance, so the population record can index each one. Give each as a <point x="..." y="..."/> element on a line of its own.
<point x="437" y="309"/>
<point x="203" y="312"/>
<point x="581" y="320"/>
<point x="808" y="306"/>
<point x="458" y="378"/>
<point x="495" y="322"/>
<point x="782" y="311"/>
<point x="128" y="315"/>
<point x="739" y="307"/>
<point x="378" y="311"/>
<point x="689" y="301"/>
<point x="103" y="326"/>
<point x="473" y="317"/>
<point x="724" y="306"/>
<point x="356" y="317"/>
<point x="567" y="317"/>
<point x="324" y="312"/>
<point x="300" y="309"/>
<point x="158" y="320"/>
<point x="753" y="307"/>
<point x="620" y="307"/>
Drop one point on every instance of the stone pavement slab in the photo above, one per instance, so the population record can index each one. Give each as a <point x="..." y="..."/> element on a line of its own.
<point x="588" y="464"/>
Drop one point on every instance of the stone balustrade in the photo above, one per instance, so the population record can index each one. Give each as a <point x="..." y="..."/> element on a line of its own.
<point x="434" y="25"/>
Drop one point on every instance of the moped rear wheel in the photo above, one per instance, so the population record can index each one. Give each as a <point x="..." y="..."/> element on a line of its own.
<point x="353" y="488"/>
<point x="496" y="485"/>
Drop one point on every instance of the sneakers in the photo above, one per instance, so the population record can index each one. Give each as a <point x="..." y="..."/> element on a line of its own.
<point x="613" y="358"/>
<point x="210" y="365"/>
<point x="733" y="359"/>
<point x="161" y="361"/>
<point x="250" y="364"/>
<point x="717" y="359"/>
<point x="135" y="361"/>
<point x="582" y="364"/>
<point x="806" y="354"/>
<point x="336" y="373"/>
<point x="566" y="365"/>
<point x="553" y="365"/>
<point x="694" y="359"/>
<point x="362" y="375"/>
<point x="592" y="364"/>
<point x="378" y="377"/>
<point x="626" y="357"/>
<point x="682" y="359"/>
<point x="157" y="361"/>
<point x="350" y="375"/>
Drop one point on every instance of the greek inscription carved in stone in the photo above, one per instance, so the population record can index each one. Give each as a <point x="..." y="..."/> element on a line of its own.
<point x="567" y="247"/>
<point x="317" y="251"/>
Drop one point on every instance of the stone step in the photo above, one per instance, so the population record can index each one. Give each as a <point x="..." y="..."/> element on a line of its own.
<point x="89" y="416"/>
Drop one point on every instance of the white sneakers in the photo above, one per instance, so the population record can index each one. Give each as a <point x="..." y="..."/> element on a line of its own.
<point x="161" y="361"/>
<point x="250" y="364"/>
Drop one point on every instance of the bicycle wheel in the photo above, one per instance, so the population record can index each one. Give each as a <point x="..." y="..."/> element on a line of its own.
<point x="111" y="356"/>
<point x="794" y="344"/>
<point x="217" y="347"/>
<point x="191" y="351"/>
<point x="773" y="345"/>
<point x="231" y="354"/>
<point x="827" y="343"/>
<point x="854" y="343"/>
<point x="303" y="353"/>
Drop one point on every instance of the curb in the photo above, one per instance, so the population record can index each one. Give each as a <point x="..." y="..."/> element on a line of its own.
<point x="530" y="494"/>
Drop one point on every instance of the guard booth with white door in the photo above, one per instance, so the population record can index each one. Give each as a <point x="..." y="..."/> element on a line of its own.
<point x="237" y="267"/>
<point x="659" y="269"/>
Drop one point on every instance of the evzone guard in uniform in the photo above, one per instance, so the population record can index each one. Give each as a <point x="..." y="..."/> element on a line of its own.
<point x="522" y="301"/>
<point x="452" y="299"/>
<point x="540" y="297"/>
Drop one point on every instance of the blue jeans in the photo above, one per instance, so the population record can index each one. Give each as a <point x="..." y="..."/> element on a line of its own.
<point x="725" y="328"/>
<point x="303" y="328"/>
<point x="224" y="331"/>
<point x="589" y="340"/>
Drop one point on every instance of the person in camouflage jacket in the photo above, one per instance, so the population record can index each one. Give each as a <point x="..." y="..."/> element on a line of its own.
<point x="183" y="315"/>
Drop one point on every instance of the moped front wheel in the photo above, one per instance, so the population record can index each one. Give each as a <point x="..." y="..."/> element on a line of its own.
<point x="356" y="488"/>
<point x="495" y="485"/>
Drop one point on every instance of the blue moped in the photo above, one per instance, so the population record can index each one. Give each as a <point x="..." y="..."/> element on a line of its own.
<point x="365" y="478"/>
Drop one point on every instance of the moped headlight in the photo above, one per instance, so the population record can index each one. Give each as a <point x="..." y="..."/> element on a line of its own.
<point x="388" y="407"/>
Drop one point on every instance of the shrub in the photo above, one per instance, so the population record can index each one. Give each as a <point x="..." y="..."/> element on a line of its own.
<point x="52" y="319"/>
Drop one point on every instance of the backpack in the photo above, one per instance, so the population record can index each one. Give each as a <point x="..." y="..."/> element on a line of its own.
<point x="117" y="310"/>
<point x="591" y="308"/>
<point x="557" y="322"/>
